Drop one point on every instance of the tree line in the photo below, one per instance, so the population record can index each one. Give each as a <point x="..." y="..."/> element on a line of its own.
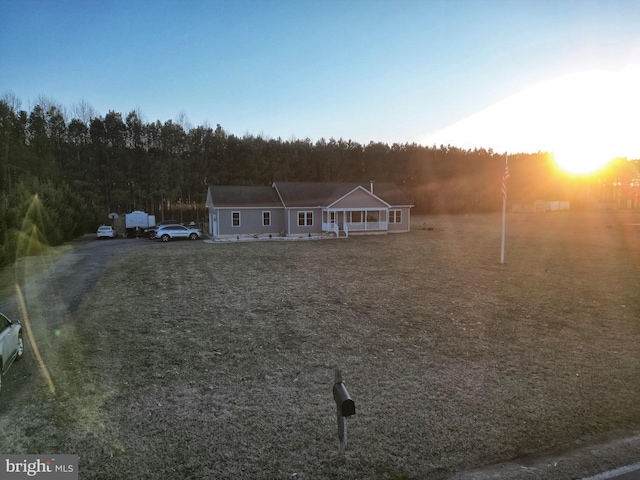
<point x="84" y="166"/>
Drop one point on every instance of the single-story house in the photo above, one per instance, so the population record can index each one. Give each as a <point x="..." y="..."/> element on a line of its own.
<point x="307" y="208"/>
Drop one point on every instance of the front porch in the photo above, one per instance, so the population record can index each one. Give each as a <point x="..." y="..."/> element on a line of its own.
<point x="343" y="222"/>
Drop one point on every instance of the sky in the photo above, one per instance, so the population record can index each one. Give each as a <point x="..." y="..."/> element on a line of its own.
<point x="511" y="75"/>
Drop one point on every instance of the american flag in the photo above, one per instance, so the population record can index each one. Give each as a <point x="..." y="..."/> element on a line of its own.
<point x="505" y="177"/>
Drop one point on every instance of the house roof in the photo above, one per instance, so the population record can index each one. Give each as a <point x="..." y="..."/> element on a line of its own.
<point x="318" y="194"/>
<point x="300" y="194"/>
<point x="390" y="193"/>
<point x="244" y="196"/>
<point x="310" y="194"/>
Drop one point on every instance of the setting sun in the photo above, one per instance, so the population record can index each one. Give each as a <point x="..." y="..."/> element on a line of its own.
<point x="592" y="118"/>
<point x="580" y="161"/>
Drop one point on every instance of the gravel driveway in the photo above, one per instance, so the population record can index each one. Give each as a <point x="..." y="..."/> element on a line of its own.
<point x="54" y="293"/>
<point x="70" y="277"/>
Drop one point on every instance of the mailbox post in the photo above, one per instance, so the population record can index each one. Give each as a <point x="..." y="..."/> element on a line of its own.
<point x="345" y="407"/>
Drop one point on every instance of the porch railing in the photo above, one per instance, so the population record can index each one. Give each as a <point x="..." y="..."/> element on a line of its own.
<point x="364" y="226"/>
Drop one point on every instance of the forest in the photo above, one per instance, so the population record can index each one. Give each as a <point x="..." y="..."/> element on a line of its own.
<point x="62" y="171"/>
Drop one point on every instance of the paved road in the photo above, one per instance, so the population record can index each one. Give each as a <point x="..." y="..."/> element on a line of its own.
<point x="598" y="460"/>
<point x="630" y="472"/>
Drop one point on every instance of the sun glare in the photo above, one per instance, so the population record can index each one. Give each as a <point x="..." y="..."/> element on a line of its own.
<point x="585" y="119"/>
<point x="593" y="115"/>
<point x="580" y="161"/>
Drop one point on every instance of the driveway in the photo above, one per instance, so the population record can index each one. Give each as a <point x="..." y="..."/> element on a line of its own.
<point x="53" y="294"/>
<point x="71" y="276"/>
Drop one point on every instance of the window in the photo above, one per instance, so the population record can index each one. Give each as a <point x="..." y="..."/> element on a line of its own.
<point x="332" y="217"/>
<point x="356" y="217"/>
<point x="395" y="216"/>
<point x="266" y="219"/>
<point x="4" y="323"/>
<point x="235" y="219"/>
<point x="305" y="219"/>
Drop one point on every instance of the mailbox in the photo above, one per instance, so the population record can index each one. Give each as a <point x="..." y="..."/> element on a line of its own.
<point x="346" y="406"/>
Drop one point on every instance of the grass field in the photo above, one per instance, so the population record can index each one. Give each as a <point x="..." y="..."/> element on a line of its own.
<point x="196" y="360"/>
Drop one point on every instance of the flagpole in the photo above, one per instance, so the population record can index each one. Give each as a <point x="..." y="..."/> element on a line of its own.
<point x="504" y="205"/>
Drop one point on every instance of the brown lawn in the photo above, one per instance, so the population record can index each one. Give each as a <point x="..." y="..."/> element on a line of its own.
<point x="197" y="360"/>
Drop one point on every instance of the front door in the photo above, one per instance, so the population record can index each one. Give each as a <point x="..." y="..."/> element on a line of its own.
<point x="340" y="219"/>
<point x="333" y="219"/>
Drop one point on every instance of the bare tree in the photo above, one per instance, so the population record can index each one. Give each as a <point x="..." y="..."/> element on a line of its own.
<point x="12" y="101"/>
<point x="47" y="104"/>
<point x="84" y="112"/>
<point x="183" y="121"/>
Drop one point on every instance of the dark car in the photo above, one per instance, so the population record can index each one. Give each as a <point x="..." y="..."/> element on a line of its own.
<point x="11" y="344"/>
<point x="151" y="231"/>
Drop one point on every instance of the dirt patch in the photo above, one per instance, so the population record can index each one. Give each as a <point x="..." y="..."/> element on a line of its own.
<point x="454" y="360"/>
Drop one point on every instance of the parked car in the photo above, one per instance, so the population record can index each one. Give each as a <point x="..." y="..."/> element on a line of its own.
<point x="170" y="232"/>
<point x="151" y="231"/>
<point x="11" y="344"/>
<point x="105" y="231"/>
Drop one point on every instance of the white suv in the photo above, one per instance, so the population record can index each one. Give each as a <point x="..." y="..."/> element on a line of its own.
<point x="169" y="232"/>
